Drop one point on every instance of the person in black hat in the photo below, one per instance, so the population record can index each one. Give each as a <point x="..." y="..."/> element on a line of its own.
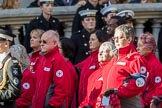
<point x="108" y="12"/>
<point x="92" y="5"/>
<point x="81" y="38"/>
<point x="128" y="15"/>
<point x="45" y="22"/>
<point x="10" y="72"/>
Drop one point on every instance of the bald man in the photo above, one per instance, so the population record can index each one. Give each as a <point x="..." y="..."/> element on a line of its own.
<point x="53" y="80"/>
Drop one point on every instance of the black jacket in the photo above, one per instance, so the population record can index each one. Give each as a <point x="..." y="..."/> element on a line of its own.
<point x="41" y="23"/>
<point x="76" y="24"/>
<point x="81" y="42"/>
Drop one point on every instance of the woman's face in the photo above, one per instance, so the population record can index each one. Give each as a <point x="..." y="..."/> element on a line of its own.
<point x="120" y="39"/>
<point x="35" y="40"/>
<point x="103" y="55"/>
<point x="16" y="4"/>
<point x="94" y="42"/>
<point x="89" y="23"/>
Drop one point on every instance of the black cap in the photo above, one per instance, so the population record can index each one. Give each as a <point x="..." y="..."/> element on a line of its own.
<point x="6" y="35"/>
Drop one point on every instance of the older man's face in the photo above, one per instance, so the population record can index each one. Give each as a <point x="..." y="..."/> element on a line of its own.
<point x="47" y="43"/>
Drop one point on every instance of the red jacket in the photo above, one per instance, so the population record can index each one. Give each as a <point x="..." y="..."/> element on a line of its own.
<point x="94" y="87"/>
<point x="88" y="66"/>
<point x="129" y="62"/>
<point x="154" y="77"/>
<point x="27" y="90"/>
<point x="74" y="77"/>
<point x="28" y="83"/>
<point x="53" y="81"/>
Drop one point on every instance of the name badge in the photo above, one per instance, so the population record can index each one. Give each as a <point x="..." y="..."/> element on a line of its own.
<point x="47" y="69"/>
<point x="92" y="67"/>
<point x="121" y="63"/>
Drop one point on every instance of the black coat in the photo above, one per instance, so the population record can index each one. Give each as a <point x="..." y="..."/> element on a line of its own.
<point x="159" y="43"/>
<point x="81" y="42"/>
<point x="76" y="24"/>
<point x="41" y="23"/>
<point x="62" y="3"/>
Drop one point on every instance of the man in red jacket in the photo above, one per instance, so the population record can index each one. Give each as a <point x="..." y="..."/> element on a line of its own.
<point x="126" y="75"/>
<point x="52" y="78"/>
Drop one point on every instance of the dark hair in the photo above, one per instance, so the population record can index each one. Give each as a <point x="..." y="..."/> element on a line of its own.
<point x="101" y="35"/>
<point x="120" y="19"/>
<point x="67" y="47"/>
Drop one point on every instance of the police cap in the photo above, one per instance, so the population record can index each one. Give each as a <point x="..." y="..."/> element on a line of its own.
<point x="87" y="13"/>
<point x="47" y="1"/>
<point x="127" y="14"/>
<point x="6" y="35"/>
<point x="108" y="9"/>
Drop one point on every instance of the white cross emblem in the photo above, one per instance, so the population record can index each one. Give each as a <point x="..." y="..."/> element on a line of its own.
<point x="59" y="73"/>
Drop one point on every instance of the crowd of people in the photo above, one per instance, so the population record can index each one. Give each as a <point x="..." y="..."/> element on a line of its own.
<point x="102" y="65"/>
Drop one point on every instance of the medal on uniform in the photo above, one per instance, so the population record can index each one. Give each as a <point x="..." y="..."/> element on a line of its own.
<point x="1" y="65"/>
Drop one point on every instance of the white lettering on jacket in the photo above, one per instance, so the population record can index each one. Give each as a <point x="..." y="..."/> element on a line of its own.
<point x="47" y="69"/>
<point x="121" y="63"/>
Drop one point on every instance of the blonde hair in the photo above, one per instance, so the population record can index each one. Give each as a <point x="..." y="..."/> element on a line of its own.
<point x="39" y="32"/>
<point x="8" y="4"/>
<point x="19" y="52"/>
<point x="109" y="46"/>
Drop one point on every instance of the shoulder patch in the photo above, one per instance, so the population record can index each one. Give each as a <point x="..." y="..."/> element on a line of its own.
<point x="59" y="73"/>
<point x="26" y="85"/>
<point x="157" y="79"/>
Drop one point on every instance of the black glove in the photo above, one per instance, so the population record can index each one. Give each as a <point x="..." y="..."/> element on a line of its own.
<point x="156" y="100"/>
<point x="87" y="106"/>
<point x="110" y="91"/>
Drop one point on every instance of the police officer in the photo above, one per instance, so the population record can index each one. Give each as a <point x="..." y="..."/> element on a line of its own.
<point x="108" y="12"/>
<point x="45" y="21"/>
<point x="10" y="72"/>
<point x="81" y="38"/>
<point x="92" y="5"/>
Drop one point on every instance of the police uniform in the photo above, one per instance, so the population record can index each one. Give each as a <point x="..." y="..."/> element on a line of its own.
<point x="41" y="23"/>
<point x="81" y="39"/>
<point x="76" y="24"/>
<point x="10" y="75"/>
<point x="81" y="42"/>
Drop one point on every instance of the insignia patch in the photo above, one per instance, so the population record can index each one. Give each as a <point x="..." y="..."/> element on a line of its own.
<point x="59" y="73"/>
<point x="16" y="81"/>
<point x="26" y="85"/>
<point x="47" y="69"/>
<point x="140" y="82"/>
<point x="143" y="69"/>
<point x="157" y="79"/>
<point x="121" y="63"/>
<point x="92" y="67"/>
<point x="1" y="65"/>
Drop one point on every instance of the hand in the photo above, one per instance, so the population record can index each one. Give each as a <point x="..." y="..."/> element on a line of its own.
<point x="81" y="3"/>
<point x="110" y="91"/>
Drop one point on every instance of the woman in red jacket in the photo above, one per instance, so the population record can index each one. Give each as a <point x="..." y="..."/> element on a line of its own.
<point x="95" y="80"/>
<point x="28" y="80"/>
<point x="126" y="74"/>
<point x="89" y="65"/>
<point x="146" y="46"/>
<point x="66" y="48"/>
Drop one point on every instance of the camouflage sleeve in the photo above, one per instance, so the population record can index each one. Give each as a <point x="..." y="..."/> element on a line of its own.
<point x="12" y="88"/>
